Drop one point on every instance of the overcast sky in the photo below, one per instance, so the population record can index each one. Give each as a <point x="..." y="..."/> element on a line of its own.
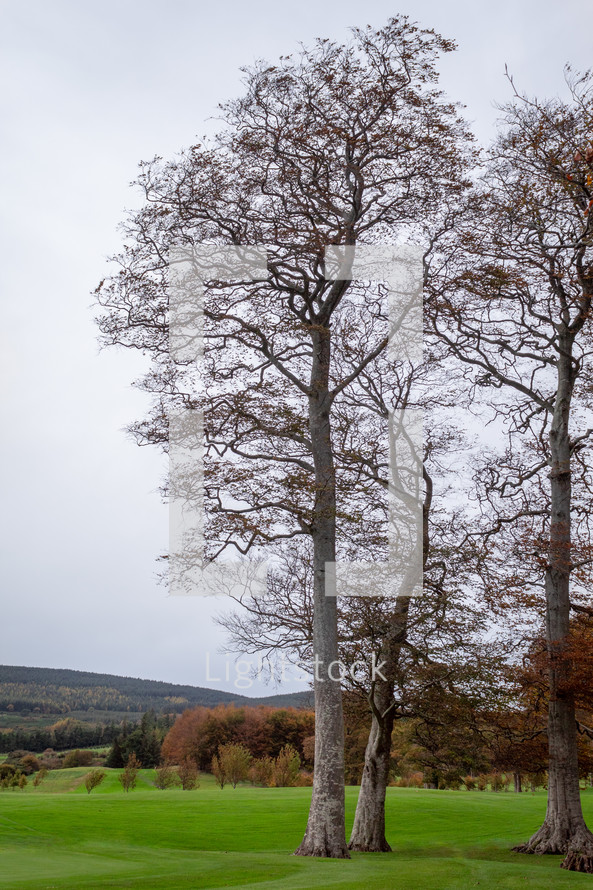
<point x="88" y="90"/>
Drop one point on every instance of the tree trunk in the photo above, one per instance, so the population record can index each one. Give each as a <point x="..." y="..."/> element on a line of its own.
<point x="326" y="832"/>
<point x="564" y="829"/>
<point x="517" y="780"/>
<point x="368" y="831"/>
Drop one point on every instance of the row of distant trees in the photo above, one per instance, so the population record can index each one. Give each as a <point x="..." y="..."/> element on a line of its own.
<point x="450" y="739"/>
<point x="453" y="745"/>
<point x="63" y="735"/>
<point x="199" y="733"/>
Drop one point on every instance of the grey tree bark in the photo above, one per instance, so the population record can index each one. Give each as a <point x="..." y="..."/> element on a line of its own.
<point x="368" y="830"/>
<point x="325" y="835"/>
<point x="564" y="829"/>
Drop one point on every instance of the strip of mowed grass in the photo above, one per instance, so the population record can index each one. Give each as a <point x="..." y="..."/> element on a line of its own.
<point x="210" y="838"/>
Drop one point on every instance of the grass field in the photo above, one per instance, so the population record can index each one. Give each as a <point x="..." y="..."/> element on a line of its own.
<point x="57" y="836"/>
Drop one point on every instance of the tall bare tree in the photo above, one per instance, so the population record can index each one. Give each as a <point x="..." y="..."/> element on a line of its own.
<point x="341" y="145"/>
<point x="516" y="309"/>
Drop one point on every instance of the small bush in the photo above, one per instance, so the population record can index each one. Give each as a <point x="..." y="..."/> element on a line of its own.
<point x="10" y="777"/>
<point x="40" y="777"/>
<point x="189" y="775"/>
<point x="7" y="771"/>
<point x="413" y="780"/>
<point x="286" y="767"/>
<point x="94" y="779"/>
<point x="50" y="761"/>
<point x="262" y="771"/>
<point x="309" y="750"/>
<point x="218" y="772"/>
<point x="165" y="777"/>
<point x="129" y="775"/>
<point x="496" y="782"/>
<point x="234" y="760"/>
<point x="77" y="758"/>
<point x="29" y="764"/>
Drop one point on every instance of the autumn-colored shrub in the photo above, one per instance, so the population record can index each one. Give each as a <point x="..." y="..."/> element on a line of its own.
<point x="40" y="776"/>
<point x="309" y="750"/>
<point x="412" y="780"/>
<point x="29" y="764"/>
<point x="262" y="771"/>
<point x="286" y="767"/>
<point x="129" y="776"/>
<point x="233" y="762"/>
<point x="189" y="775"/>
<point x="93" y="779"/>
<point x="166" y="777"/>
<point x="77" y="758"/>
<point x="218" y="772"/>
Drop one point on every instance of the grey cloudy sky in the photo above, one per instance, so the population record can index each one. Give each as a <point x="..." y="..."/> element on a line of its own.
<point x="88" y="90"/>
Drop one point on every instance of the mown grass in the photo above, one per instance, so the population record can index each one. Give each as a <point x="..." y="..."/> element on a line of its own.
<point x="57" y="836"/>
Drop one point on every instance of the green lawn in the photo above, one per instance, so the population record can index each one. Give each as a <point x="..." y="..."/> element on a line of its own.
<point x="57" y="836"/>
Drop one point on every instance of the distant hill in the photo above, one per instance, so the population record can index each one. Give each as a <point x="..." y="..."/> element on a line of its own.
<point x="33" y="690"/>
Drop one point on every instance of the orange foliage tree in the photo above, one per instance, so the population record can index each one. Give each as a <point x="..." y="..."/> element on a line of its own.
<point x="264" y="731"/>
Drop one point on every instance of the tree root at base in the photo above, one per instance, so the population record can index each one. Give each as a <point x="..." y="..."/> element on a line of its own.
<point x="576" y="861"/>
<point x="577" y="850"/>
<point x="361" y="847"/>
<point x="321" y="850"/>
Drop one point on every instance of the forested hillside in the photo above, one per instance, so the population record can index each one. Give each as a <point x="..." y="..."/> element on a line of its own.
<point x="32" y="690"/>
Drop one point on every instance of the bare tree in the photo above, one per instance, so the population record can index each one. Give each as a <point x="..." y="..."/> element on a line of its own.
<point x="342" y="145"/>
<point x="517" y="311"/>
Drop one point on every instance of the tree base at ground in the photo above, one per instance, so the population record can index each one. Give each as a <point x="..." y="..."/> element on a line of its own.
<point x="577" y="861"/>
<point x="371" y="846"/>
<point x="577" y="846"/>
<point x="321" y="849"/>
